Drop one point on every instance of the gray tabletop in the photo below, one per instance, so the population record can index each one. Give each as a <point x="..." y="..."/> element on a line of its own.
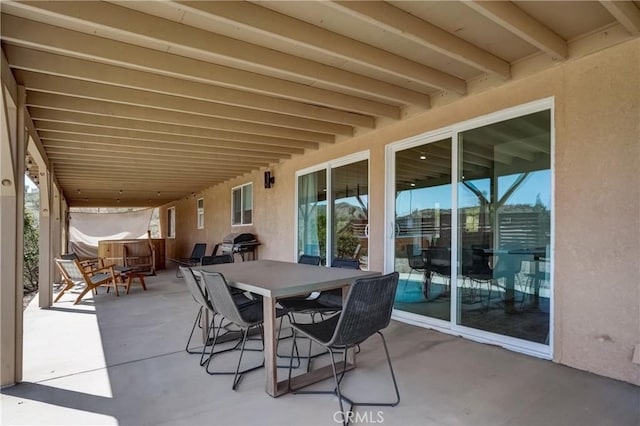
<point x="272" y="278"/>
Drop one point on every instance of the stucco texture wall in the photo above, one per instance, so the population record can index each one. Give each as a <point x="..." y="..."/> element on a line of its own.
<point x="597" y="200"/>
<point x="598" y="214"/>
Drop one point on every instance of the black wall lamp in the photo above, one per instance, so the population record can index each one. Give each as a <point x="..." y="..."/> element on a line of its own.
<point x="268" y="179"/>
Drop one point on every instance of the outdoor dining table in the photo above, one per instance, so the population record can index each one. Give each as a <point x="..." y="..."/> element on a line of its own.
<point x="511" y="261"/>
<point x="275" y="280"/>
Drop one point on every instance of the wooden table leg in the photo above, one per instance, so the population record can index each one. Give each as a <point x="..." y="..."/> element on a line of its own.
<point x="270" y="360"/>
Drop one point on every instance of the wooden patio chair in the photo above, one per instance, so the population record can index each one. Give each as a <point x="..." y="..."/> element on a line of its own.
<point x="87" y="264"/>
<point x="74" y="274"/>
<point x="140" y="257"/>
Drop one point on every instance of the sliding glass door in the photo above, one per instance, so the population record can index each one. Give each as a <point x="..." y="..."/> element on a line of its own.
<point x="423" y="229"/>
<point x="471" y="228"/>
<point x="350" y="210"/>
<point x="504" y="227"/>
<point x="312" y="213"/>
<point x="333" y="210"/>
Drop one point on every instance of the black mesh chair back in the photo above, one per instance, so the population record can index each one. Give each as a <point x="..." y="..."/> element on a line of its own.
<point x="198" y="251"/>
<point x="416" y="260"/>
<point x="366" y="310"/>
<point x="333" y="298"/>
<point x="339" y="262"/>
<point x="216" y="260"/>
<point x="222" y="299"/>
<point x="439" y="260"/>
<point x="306" y="259"/>
<point x="480" y="263"/>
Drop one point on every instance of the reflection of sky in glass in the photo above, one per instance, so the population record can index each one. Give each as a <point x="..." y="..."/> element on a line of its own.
<point x="423" y="198"/>
<point x="536" y="184"/>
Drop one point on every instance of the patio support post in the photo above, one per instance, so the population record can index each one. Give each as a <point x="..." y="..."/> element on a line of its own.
<point x="46" y="214"/>
<point x="56" y="240"/>
<point x="12" y="166"/>
<point x="45" y="285"/>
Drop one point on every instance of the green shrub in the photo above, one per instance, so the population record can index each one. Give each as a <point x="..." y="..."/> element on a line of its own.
<point x="31" y="255"/>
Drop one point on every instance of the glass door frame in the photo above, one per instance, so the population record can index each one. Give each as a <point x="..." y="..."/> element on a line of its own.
<point x="390" y="224"/>
<point x="518" y="345"/>
<point x="328" y="166"/>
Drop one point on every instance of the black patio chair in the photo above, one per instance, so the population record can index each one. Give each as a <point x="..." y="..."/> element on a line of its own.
<point x="437" y="261"/>
<point x="307" y="259"/>
<point x="200" y="297"/>
<point x="220" y="260"/>
<point x="416" y="260"/>
<point x="325" y="301"/>
<point x="305" y="302"/>
<point x="216" y="260"/>
<point x="245" y="319"/>
<point x="367" y="311"/>
<point x="332" y="299"/>
<point x="194" y="259"/>
<point x="196" y="254"/>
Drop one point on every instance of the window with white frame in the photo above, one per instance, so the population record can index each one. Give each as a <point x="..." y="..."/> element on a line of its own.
<point x="171" y="222"/>
<point x="333" y="209"/>
<point x="242" y="205"/>
<point x="200" y="213"/>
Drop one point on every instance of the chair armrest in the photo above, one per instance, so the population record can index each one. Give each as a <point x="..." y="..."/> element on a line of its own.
<point x="105" y="268"/>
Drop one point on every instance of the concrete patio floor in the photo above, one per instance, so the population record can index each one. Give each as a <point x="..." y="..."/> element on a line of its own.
<point x="122" y="361"/>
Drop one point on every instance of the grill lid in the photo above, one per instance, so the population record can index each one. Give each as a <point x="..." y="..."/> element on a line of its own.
<point x="238" y="238"/>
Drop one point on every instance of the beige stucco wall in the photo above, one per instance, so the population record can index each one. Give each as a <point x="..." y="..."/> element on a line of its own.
<point x="597" y="200"/>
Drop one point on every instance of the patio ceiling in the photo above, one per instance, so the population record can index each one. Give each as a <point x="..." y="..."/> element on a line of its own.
<point x="140" y="103"/>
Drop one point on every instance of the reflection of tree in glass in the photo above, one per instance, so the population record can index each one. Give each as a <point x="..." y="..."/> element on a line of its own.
<point x="346" y="217"/>
<point x="322" y="231"/>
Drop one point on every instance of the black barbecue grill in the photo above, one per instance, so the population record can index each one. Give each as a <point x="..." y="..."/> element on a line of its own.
<point x="240" y="243"/>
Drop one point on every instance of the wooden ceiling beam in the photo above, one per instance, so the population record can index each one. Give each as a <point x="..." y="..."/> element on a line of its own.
<point x="159" y="161"/>
<point x="184" y="40"/>
<point x="625" y="12"/>
<point x="37" y="82"/>
<point x="517" y="21"/>
<point x="81" y="118"/>
<point x="92" y="184"/>
<point x="30" y="33"/>
<point x="132" y="135"/>
<point x="111" y="109"/>
<point x="120" y="180"/>
<point x="410" y="27"/>
<point x="132" y="155"/>
<point x="107" y="142"/>
<point x="130" y="158"/>
<point x="44" y="62"/>
<point x="260" y="20"/>
<point x="89" y="165"/>
<point x="99" y="169"/>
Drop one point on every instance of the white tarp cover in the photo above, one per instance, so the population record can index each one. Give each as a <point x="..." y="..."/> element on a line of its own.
<point x="86" y="229"/>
